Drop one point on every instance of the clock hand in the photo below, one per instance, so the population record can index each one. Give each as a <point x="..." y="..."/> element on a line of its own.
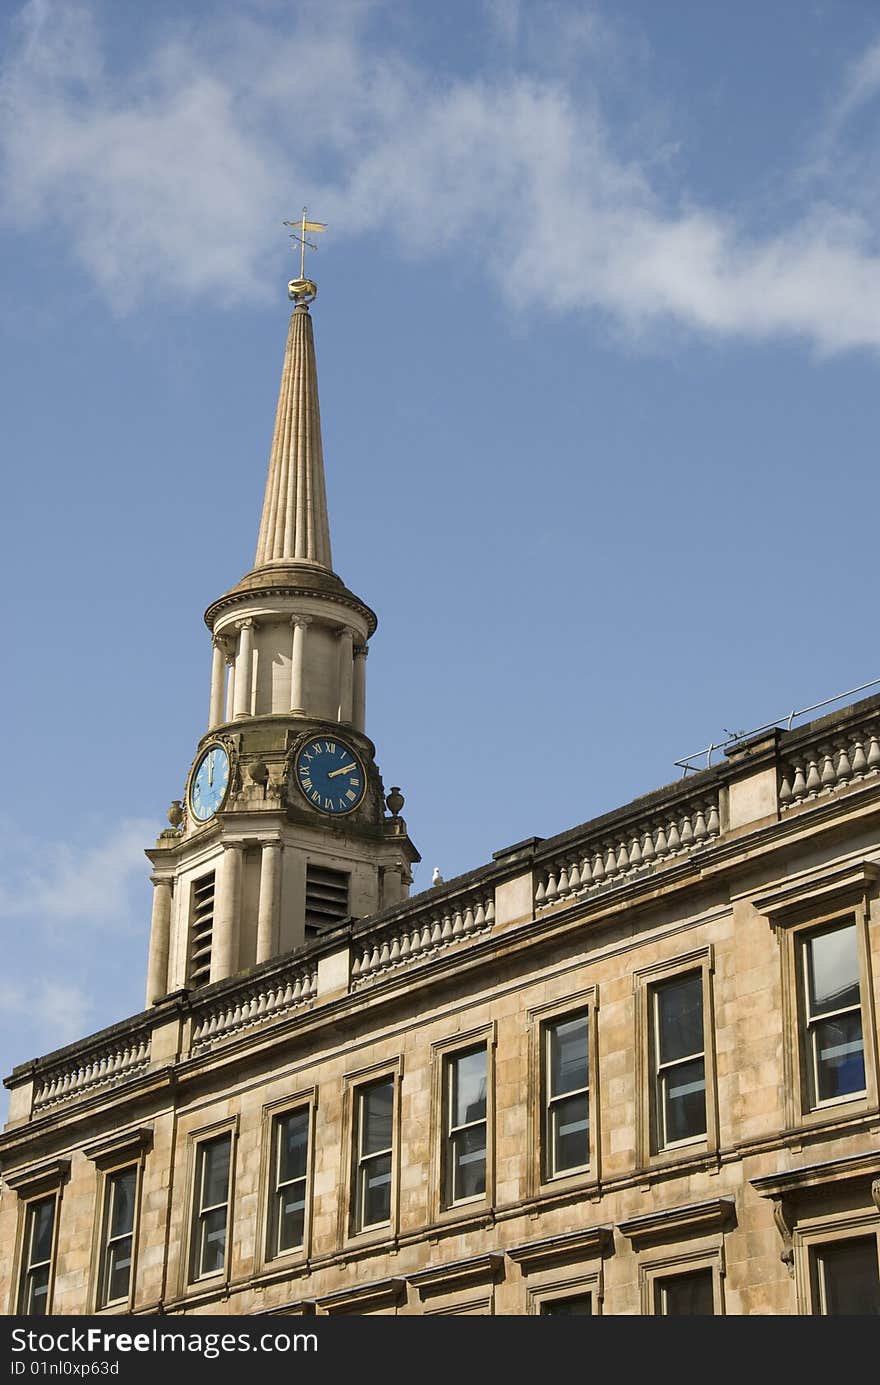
<point x="210" y="769"/>
<point x="344" y="770"/>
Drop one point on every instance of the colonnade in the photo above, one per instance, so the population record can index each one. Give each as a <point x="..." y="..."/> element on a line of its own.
<point x="232" y="693"/>
<point x="226" y="931"/>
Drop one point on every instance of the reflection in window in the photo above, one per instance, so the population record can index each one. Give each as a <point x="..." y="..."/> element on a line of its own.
<point x="37" y="1261"/>
<point x="567" y="1081"/>
<point x="466" y="1125"/>
<point x="212" y="1206"/>
<point x="846" y="1279"/>
<point x="116" y="1256"/>
<point x="374" y="1149"/>
<point x="686" y="1295"/>
<point x="833" y="1013"/>
<point x="287" y="1221"/>
<point x="679" y="1056"/>
<point x="578" y="1306"/>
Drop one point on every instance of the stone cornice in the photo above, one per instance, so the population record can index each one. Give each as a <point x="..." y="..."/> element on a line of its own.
<point x="835" y="883"/>
<point x="695" y="1218"/>
<point x="537" y="1255"/>
<point x="43" y="1178"/>
<point x="266" y="591"/>
<point x="816" y="1176"/>
<point x="440" y="1278"/>
<point x="364" y="1296"/>
<point x="125" y="1144"/>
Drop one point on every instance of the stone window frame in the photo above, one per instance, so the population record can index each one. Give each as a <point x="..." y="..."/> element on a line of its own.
<point x="796" y="910"/>
<point x="798" y="1196"/>
<point x="660" y="1235"/>
<point x="352" y="1084"/>
<point x="126" y="1150"/>
<point x="671" y="1266"/>
<point x="539" y="1017"/>
<point x="649" y="1152"/>
<point x="567" y="1266"/>
<point x="806" y="1240"/>
<point x="190" y="1283"/>
<point x="442" y="1050"/>
<point x="274" y="1111"/>
<point x="31" y="1186"/>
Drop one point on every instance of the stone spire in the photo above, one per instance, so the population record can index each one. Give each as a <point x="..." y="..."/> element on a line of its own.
<point x="294" y="527"/>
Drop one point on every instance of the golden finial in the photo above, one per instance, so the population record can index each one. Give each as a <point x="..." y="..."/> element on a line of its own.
<point x="303" y="290"/>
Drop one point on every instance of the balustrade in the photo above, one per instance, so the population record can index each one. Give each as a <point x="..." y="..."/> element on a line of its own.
<point x="617" y="856"/>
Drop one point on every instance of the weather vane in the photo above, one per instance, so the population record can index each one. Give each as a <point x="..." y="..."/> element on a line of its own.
<point x="303" y="290"/>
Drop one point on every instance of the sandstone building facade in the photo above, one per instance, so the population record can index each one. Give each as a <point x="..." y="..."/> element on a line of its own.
<point x="631" y="1069"/>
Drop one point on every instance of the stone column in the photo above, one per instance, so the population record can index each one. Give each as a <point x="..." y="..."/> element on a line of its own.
<point x="244" y="668"/>
<point x="218" y="679"/>
<point x="359" y="708"/>
<point x="230" y="685"/>
<point x="270" y="890"/>
<point x="300" y="626"/>
<point x="160" y="939"/>
<point x="346" y="673"/>
<point x="227" y="913"/>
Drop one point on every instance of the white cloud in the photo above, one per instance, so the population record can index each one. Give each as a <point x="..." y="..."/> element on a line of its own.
<point x="59" y="882"/>
<point x="171" y="177"/>
<point x="58" y="1011"/>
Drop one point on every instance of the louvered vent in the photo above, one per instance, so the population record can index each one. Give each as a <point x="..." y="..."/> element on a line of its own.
<point x="326" y="898"/>
<point x="201" y="931"/>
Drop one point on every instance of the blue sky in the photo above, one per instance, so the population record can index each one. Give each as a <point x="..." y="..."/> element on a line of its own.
<point x="597" y="333"/>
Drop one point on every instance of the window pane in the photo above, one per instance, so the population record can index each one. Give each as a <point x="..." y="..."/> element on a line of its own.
<point x="840" y="1056"/>
<point x="680" y="1018"/>
<point x="570" y="1125"/>
<point x="469" y="1163"/>
<point x="684" y="1088"/>
<point x="293" y="1146"/>
<point x="292" y="1215"/>
<point x="118" y="1269"/>
<point x="568" y="1057"/>
<point x="213" y="1241"/>
<point x="121" y="1194"/>
<point x="42" y="1215"/>
<point x="469" y="1087"/>
<point x="377" y="1109"/>
<point x="850" y="1279"/>
<point x="833" y="967"/>
<point x="37" y="1293"/>
<point x="376" y="1177"/>
<point x="568" y="1307"/>
<point x="215" y="1177"/>
<point x="687" y="1295"/>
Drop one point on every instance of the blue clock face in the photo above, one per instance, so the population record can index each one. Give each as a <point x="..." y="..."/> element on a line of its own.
<point x="330" y="775"/>
<point x="209" y="783"/>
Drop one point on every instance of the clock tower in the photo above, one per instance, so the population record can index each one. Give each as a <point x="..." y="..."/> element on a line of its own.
<point x="284" y="827"/>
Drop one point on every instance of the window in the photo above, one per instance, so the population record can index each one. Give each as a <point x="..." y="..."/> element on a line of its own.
<point x="374" y="1135"/>
<point x="579" y="1305"/>
<point x="829" y="1031"/>
<point x="213" y="1168"/>
<point x="679" y="1060"/>
<point x="326" y="898"/>
<point x="466" y="1129"/>
<point x="39" y="1245"/>
<point x="290" y="1161"/>
<point x="567" y="1095"/>
<point x="117" y="1237"/>
<point x="685" y="1295"/>
<point x="201" y="930"/>
<point x="846" y="1280"/>
<point x="834" y="1042"/>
